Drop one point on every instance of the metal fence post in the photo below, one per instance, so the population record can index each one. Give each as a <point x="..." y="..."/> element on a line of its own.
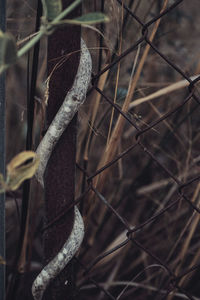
<point x="60" y="172"/>
<point x="2" y="158"/>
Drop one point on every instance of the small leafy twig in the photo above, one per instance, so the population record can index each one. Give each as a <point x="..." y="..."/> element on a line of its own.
<point x="51" y="20"/>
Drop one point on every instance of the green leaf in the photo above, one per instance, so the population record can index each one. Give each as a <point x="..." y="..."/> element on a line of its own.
<point x="8" y="49"/>
<point x="90" y="18"/>
<point x="51" y="8"/>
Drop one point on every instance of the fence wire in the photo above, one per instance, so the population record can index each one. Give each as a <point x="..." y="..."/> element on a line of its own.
<point x="157" y="275"/>
<point x="137" y="157"/>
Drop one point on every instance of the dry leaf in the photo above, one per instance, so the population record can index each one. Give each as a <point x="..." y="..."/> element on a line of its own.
<point x="23" y="166"/>
<point x="2" y="261"/>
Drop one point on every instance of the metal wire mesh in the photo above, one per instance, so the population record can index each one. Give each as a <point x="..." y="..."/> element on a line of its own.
<point x="138" y="156"/>
<point x="160" y="235"/>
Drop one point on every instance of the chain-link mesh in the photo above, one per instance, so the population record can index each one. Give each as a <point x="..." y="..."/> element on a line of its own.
<point x="138" y="163"/>
<point x="141" y="201"/>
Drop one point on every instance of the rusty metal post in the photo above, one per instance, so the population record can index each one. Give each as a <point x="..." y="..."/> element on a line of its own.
<point x="60" y="171"/>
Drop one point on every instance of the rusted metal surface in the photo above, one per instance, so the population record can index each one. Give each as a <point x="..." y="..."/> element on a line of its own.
<point x="60" y="172"/>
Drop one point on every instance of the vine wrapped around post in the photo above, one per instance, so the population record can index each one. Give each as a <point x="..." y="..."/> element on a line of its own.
<point x="74" y="98"/>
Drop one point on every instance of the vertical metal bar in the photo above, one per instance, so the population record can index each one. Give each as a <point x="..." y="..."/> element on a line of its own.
<point x="60" y="172"/>
<point x="19" y="279"/>
<point x="2" y="157"/>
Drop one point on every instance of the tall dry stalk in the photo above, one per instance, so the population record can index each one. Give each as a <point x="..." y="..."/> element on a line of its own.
<point x="101" y="180"/>
<point x="115" y="138"/>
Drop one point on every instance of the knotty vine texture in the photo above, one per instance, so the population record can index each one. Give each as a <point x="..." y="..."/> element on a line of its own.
<point x="74" y="98"/>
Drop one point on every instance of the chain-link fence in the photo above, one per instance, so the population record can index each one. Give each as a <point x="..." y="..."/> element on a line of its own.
<point x="141" y="200"/>
<point x="137" y="182"/>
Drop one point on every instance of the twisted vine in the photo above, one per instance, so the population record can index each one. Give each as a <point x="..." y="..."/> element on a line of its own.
<point x="74" y="98"/>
